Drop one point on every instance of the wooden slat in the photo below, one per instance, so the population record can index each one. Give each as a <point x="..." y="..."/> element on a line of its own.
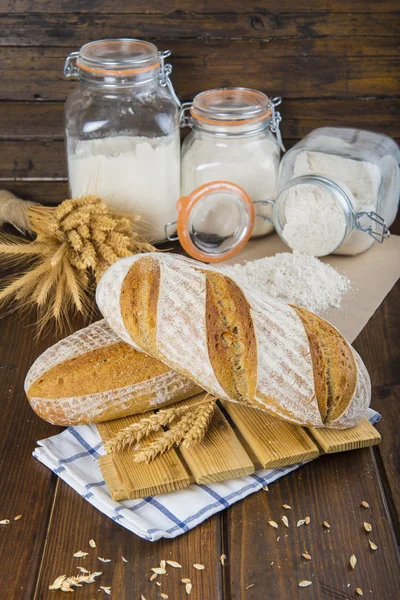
<point x="44" y="29"/>
<point x="220" y="456"/>
<point x="164" y="474"/>
<point x="203" y="6"/>
<point x="274" y="442"/>
<point x="339" y="440"/>
<point x="44" y="120"/>
<point x="199" y="66"/>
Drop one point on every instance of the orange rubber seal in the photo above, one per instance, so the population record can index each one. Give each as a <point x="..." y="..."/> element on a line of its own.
<point x="185" y="206"/>
<point x="115" y="71"/>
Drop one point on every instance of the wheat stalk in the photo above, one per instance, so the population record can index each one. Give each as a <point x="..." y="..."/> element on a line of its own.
<point x="200" y="426"/>
<point x="75" y="243"/>
<point x="173" y="436"/>
<point x="135" y="432"/>
<point x="66" y="584"/>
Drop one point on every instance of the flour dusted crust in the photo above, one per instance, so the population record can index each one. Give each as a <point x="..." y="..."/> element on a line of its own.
<point x="285" y="372"/>
<point x="94" y="376"/>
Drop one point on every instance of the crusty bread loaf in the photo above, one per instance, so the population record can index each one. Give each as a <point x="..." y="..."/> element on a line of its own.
<point x="94" y="376"/>
<point x="234" y="344"/>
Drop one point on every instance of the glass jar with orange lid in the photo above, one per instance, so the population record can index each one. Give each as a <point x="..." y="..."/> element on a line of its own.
<point x="122" y="130"/>
<point x="235" y="138"/>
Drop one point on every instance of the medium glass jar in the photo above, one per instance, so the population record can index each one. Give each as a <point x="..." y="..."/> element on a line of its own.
<point x="336" y="185"/>
<point x="122" y="130"/>
<point x="233" y="139"/>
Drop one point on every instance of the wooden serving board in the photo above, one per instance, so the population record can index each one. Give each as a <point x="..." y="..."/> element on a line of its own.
<point x="240" y="440"/>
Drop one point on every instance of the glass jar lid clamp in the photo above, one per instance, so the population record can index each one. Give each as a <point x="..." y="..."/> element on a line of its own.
<point x="236" y="106"/>
<point x="148" y="57"/>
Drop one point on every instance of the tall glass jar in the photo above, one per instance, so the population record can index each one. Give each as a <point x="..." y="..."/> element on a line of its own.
<point x="122" y="130"/>
<point x="232" y="139"/>
<point x="336" y="185"/>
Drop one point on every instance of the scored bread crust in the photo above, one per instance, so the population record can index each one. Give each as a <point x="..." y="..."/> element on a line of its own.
<point x="93" y="376"/>
<point x="188" y="322"/>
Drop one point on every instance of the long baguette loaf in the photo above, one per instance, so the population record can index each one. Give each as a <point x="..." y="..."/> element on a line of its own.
<point x="234" y="344"/>
<point x="93" y="376"/>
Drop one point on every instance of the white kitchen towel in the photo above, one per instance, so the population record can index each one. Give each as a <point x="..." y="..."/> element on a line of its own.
<point x="73" y="455"/>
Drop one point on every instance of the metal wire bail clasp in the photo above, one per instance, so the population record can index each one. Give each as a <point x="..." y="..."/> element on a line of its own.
<point x="184" y="115"/>
<point x="275" y="120"/>
<point x="169" y="236"/>
<point x="380" y="233"/>
<point x="165" y="72"/>
<point x="70" y="68"/>
<point x="264" y="203"/>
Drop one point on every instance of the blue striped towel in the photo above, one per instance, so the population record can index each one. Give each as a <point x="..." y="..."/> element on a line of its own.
<point x="73" y="455"/>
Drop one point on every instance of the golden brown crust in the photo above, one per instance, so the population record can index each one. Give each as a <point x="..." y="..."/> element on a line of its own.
<point x="334" y="365"/>
<point x="106" y="368"/>
<point x="139" y="299"/>
<point x="231" y="339"/>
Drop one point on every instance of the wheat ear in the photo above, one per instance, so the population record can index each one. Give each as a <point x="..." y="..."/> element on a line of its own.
<point x="137" y="431"/>
<point x="173" y="436"/>
<point x="200" y="426"/>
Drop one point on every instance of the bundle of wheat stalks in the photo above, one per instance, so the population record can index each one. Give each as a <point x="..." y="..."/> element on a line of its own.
<point x="75" y="243"/>
<point x="190" y="424"/>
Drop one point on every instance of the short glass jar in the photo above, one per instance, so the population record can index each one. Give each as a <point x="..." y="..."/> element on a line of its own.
<point x="232" y="139"/>
<point x="335" y="185"/>
<point x="122" y="130"/>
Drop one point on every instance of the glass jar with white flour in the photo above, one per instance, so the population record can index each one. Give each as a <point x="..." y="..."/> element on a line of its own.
<point x="122" y="130"/>
<point x="335" y="186"/>
<point x="232" y="139"/>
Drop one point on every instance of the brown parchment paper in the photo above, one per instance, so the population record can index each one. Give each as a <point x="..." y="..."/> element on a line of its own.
<point x="372" y="273"/>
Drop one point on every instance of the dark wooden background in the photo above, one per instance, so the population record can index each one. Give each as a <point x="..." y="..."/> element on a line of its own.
<point x="333" y="61"/>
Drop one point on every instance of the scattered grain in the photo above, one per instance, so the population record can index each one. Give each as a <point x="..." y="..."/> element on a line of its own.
<point x="82" y="569"/>
<point x="159" y="570"/>
<point x="359" y="592"/>
<point x="80" y="554"/>
<point x="306" y="556"/>
<point x="365" y="504"/>
<point x="199" y="567"/>
<point x="173" y="563"/>
<point x="285" y="521"/>
<point x="162" y="564"/>
<point x="18" y="517"/>
<point x="186" y="580"/>
<point x="305" y="583"/>
<point x="307" y="520"/>
<point x="106" y="589"/>
<point x="188" y="588"/>
<point x="142" y="597"/>
<point x="249" y="586"/>
<point x="367" y="526"/>
<point x="105" y="560"/>
<point x="326" y="524"/>
<point x="158" y="583"/>
<point x="92" y="543"/>
<point x="287" y="506"/>
<point x="5" y="522"/>
<point x="124" y="559"/>
<point x="372" y="545"/>
<point x="153" y="577"/>
<point x="300" y="522"/>
<point x="278" y="538"/>
<point x="353" y="561"/>
<point x="222" y="558"/>
<point x="164" y="596"/>
<point x="273" y="524"/>
<point x="265" y="488"/>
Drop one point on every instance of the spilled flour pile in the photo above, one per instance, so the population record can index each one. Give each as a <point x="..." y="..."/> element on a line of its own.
<point x="293" y="278"/>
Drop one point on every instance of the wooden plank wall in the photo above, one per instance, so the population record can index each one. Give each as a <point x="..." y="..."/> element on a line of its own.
<point x="335" y="62"/>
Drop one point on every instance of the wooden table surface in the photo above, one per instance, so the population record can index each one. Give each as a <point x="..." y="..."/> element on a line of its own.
<point x="56" y="521"/>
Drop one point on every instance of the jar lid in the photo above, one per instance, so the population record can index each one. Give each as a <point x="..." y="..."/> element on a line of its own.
<point x="215" y="221"/>
<point x="231" y="106"/>
<point x="118" y="56"/>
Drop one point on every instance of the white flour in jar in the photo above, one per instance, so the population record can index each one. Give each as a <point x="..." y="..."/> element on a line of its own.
<point x="362" y="178"/>
<point x="293" y="278"/>
<point x="136" y="175"/>
<point x="315" y="222"/>
<point x="251" y="163"/>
